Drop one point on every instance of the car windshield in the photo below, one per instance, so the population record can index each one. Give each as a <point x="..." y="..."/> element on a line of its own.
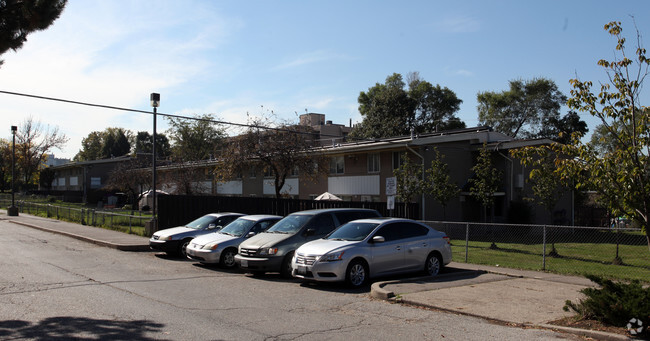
<point x="290" y="224"/>
<point x="202" y="222"/>
<point x="238" y="227"/>
<point x="352" y="231"/>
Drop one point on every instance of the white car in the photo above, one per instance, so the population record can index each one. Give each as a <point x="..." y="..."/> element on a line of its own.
<point x="367" y="248"/>
<point x="221" y="246"/>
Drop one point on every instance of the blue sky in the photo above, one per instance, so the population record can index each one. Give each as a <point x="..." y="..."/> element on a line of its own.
<point x="231" y="58"/>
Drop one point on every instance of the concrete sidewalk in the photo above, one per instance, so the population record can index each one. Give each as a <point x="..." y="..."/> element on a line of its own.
<point x="503" y="295"/>
<point x="100" y="236"/>
<point x="509" y="296"/>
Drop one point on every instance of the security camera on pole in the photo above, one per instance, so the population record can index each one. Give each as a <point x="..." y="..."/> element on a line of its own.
<point x="152" y="225"/>
<point x="12" y="211"/>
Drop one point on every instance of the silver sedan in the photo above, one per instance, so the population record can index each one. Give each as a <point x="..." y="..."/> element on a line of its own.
<point x="367" y="248"/>
<point x="221" y="247"/>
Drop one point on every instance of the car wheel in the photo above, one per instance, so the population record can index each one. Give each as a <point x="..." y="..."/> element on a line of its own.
<point x="286" y="269"/>
<point x="182" y="249"/>
<point x="357" y="273"/>
<point x="228" y="258"/>
<point x="432" y="265"/>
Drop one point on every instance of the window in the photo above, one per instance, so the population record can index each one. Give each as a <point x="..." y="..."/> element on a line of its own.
<point x="95" y="182"/>
<point x="252" y="172"/>
<point x="337" y="165"/>
<point x="268" y="172"/>
<point x="390" y="232"/>
<point x="295" y="171"/>
<point x="373" y="163"/>
<point x="322" y="223"/>
<point x="398" y="159"/>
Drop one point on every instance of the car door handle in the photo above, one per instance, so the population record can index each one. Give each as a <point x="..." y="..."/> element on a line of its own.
<point x="398" y="248"/>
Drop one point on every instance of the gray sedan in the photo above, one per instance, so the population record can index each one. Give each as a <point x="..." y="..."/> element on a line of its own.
<point x="367" y="248"/>
<point x="221" y="247"/>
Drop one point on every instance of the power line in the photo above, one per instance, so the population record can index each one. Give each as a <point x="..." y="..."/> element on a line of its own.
<point x="243" y="125"/>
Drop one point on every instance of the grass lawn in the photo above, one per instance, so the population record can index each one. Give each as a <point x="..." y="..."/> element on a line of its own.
<point x="571" y="258"/>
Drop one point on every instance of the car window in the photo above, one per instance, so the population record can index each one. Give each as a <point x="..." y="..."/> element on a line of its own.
<point x="410" y="230"/>
<point x="262" y="226"/>
<point x="353" y="231"/>
<point x="201" y="222"/>
<point x="237" y="228"/>
<point x="390" y="232"/>
<point x="290" y="224"/>
<point x="322" y="223"/>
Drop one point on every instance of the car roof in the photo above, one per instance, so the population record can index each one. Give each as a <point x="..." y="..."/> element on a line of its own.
<point x="383" y="220"/>
<point x="223" y="214"/>
<point x="332" y="210"/>
<point x="258" y="217"/>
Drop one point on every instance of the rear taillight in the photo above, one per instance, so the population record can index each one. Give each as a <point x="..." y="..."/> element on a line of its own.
<point x="447" y="239"/>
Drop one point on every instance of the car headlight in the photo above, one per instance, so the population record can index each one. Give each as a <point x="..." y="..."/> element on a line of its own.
<point x="165" y="238"/>
<point x="332" y="257"/>
<point x="210" y="246"/>
<point x="268" y="251"/>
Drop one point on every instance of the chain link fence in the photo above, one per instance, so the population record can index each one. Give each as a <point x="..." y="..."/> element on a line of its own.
<point x="132" y="224"/>
<point x="619" y="253"/>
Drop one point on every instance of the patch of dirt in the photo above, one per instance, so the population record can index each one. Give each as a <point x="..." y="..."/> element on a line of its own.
<point x="590" y="325"/>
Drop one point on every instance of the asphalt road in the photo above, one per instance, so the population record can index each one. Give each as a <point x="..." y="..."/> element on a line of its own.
<point x="54" y="287"/>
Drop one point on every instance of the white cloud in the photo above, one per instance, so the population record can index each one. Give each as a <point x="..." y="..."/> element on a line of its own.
<point x="310" y="58"/>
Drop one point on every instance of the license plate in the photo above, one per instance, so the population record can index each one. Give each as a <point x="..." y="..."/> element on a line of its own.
<point x="301" y="270"/>
<point x="244" y="263"/>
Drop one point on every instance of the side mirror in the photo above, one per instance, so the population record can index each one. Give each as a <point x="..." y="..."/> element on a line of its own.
<point x="211" y="226"/>
<point x="250" y="234"/>
<point x="378" y="239"/>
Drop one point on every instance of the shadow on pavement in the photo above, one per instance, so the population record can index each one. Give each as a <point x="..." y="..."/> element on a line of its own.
<point x="79" y="328"/>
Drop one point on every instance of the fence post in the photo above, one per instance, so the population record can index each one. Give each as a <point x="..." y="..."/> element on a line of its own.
<point x="544" y="250"/>
<point x="466" y="241"/>
<point x="129" y="224"/>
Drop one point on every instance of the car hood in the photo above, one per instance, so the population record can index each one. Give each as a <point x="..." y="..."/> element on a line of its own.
<point x="322" y="246"/>
<point x="177" y="231"/>
<point x="213" y="237"/>
<point x="265" y="239"/>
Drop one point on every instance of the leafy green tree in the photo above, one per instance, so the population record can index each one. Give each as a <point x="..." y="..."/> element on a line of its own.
<point x="486" y="180"/>
<point x="560" y="129"/>
<point x="439" y="182"/>
<point x="19" y="18"/>
<point x="5" y="165"/>
<point x="523" y="110"/>
<point x="409" y="180"/>
<point x="46" y="177"/>
<point x="195" y="139"/>
<point x="390" y="109"/>
<point x="143" y="144"/>
<point x="112" y="142"/>
<point x="620" y="174"/>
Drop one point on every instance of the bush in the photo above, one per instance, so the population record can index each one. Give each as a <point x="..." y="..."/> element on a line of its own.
<point x="615" y="303"/>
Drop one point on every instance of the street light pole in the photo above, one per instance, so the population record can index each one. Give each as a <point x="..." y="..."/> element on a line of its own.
<point x="155" y="102"/>
<point x="13" y="210"/>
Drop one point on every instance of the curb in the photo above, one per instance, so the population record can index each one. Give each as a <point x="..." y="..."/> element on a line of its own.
<point x="121" y="247"/>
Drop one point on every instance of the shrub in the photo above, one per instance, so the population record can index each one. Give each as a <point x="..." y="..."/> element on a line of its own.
<point x="614" y="303"/>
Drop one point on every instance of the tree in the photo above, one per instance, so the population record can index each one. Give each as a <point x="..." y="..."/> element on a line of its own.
<point x="116" y="143"/>
<point x="620" y="173"/>
<point x="195" y="139"/>
<point x="408" y="177"/>
<point x="439" y="182"/>
<point x="112" y="142"/>
<point x="391" y="110"/>
<point x="46" y="177"/>
<point x="143" y="144"/>
<point x="486" y="180"/>
<point x="18" y="18"/>
<point x="5" y="165"/>
<point x="132" y="177"/>
<point x="33" y="142"/>
<point x="560" y="129"/>
<point x="280" y="151"/>
<point x="523" y="110"/>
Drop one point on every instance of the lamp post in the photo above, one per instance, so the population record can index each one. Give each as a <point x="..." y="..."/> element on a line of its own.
<point x="155" y="102"/>
<point x="13" y="210"/>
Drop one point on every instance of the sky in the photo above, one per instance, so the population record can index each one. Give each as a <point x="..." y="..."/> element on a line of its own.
<point x="232" y="59"/>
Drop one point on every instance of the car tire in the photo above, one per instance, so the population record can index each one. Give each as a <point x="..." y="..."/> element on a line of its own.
<point x="286" y="269"/>
<point x="432" y="265"/>
<point x="182" y="248"/>
<point x="227" y="259"/>
<point x="356" y="274"/>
